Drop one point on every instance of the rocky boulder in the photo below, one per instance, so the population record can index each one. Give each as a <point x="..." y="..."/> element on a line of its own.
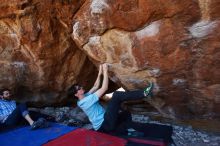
<point x="174" y="44"/>
<point x="38" y="58"/>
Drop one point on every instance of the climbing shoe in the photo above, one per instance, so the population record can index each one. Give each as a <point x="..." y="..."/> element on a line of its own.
<point x="148" y="92"/>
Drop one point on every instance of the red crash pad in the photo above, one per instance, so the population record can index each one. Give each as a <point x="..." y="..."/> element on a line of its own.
<point x="84" y="137"/>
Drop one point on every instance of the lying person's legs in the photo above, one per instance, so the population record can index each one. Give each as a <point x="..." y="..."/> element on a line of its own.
<point x="25" y="113"/>
<point x="21" y="111"/>
<point x="14" y="118"/>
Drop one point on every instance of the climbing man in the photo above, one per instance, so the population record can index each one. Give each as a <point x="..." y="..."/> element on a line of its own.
<point x="104" y="120"/>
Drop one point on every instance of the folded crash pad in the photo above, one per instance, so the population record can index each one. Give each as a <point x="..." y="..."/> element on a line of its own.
<point x="153" y="135"/>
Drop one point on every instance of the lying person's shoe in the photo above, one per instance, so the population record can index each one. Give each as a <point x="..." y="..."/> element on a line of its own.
<point x="44" y="122"/>
<point x="36" y="125"/>
<point x="148" y="92"/>
<point x="40" y="123"/>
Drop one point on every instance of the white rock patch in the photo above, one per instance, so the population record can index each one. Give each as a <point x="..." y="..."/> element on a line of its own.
<point x="75" y="30"/>
<point x="134" y="80"/>
<point x="98" y="6"/>
<point x="155" y="72"/>
<point x="149" y="31"/>
<point x="17" y="64"/>
<point x="156" y="88"/>
<point x="94" y="40"/>
<point x="178" y="81"/>
<point x="202" y="28"/>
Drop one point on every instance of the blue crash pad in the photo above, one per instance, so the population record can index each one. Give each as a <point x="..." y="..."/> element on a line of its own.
<point x="24" y="136"/>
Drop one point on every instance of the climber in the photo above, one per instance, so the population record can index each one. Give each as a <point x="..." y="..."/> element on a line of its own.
<point x="11" y="113"/>
<point x="104" y="120"/>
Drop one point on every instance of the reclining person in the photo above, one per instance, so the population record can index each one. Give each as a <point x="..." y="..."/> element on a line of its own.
<point x="104" y="120"/>
<point x="11" y="113"/>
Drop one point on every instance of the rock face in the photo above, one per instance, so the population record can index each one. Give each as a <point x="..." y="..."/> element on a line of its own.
<point x="38" y="58"/>
<point x="175" y="44"/>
